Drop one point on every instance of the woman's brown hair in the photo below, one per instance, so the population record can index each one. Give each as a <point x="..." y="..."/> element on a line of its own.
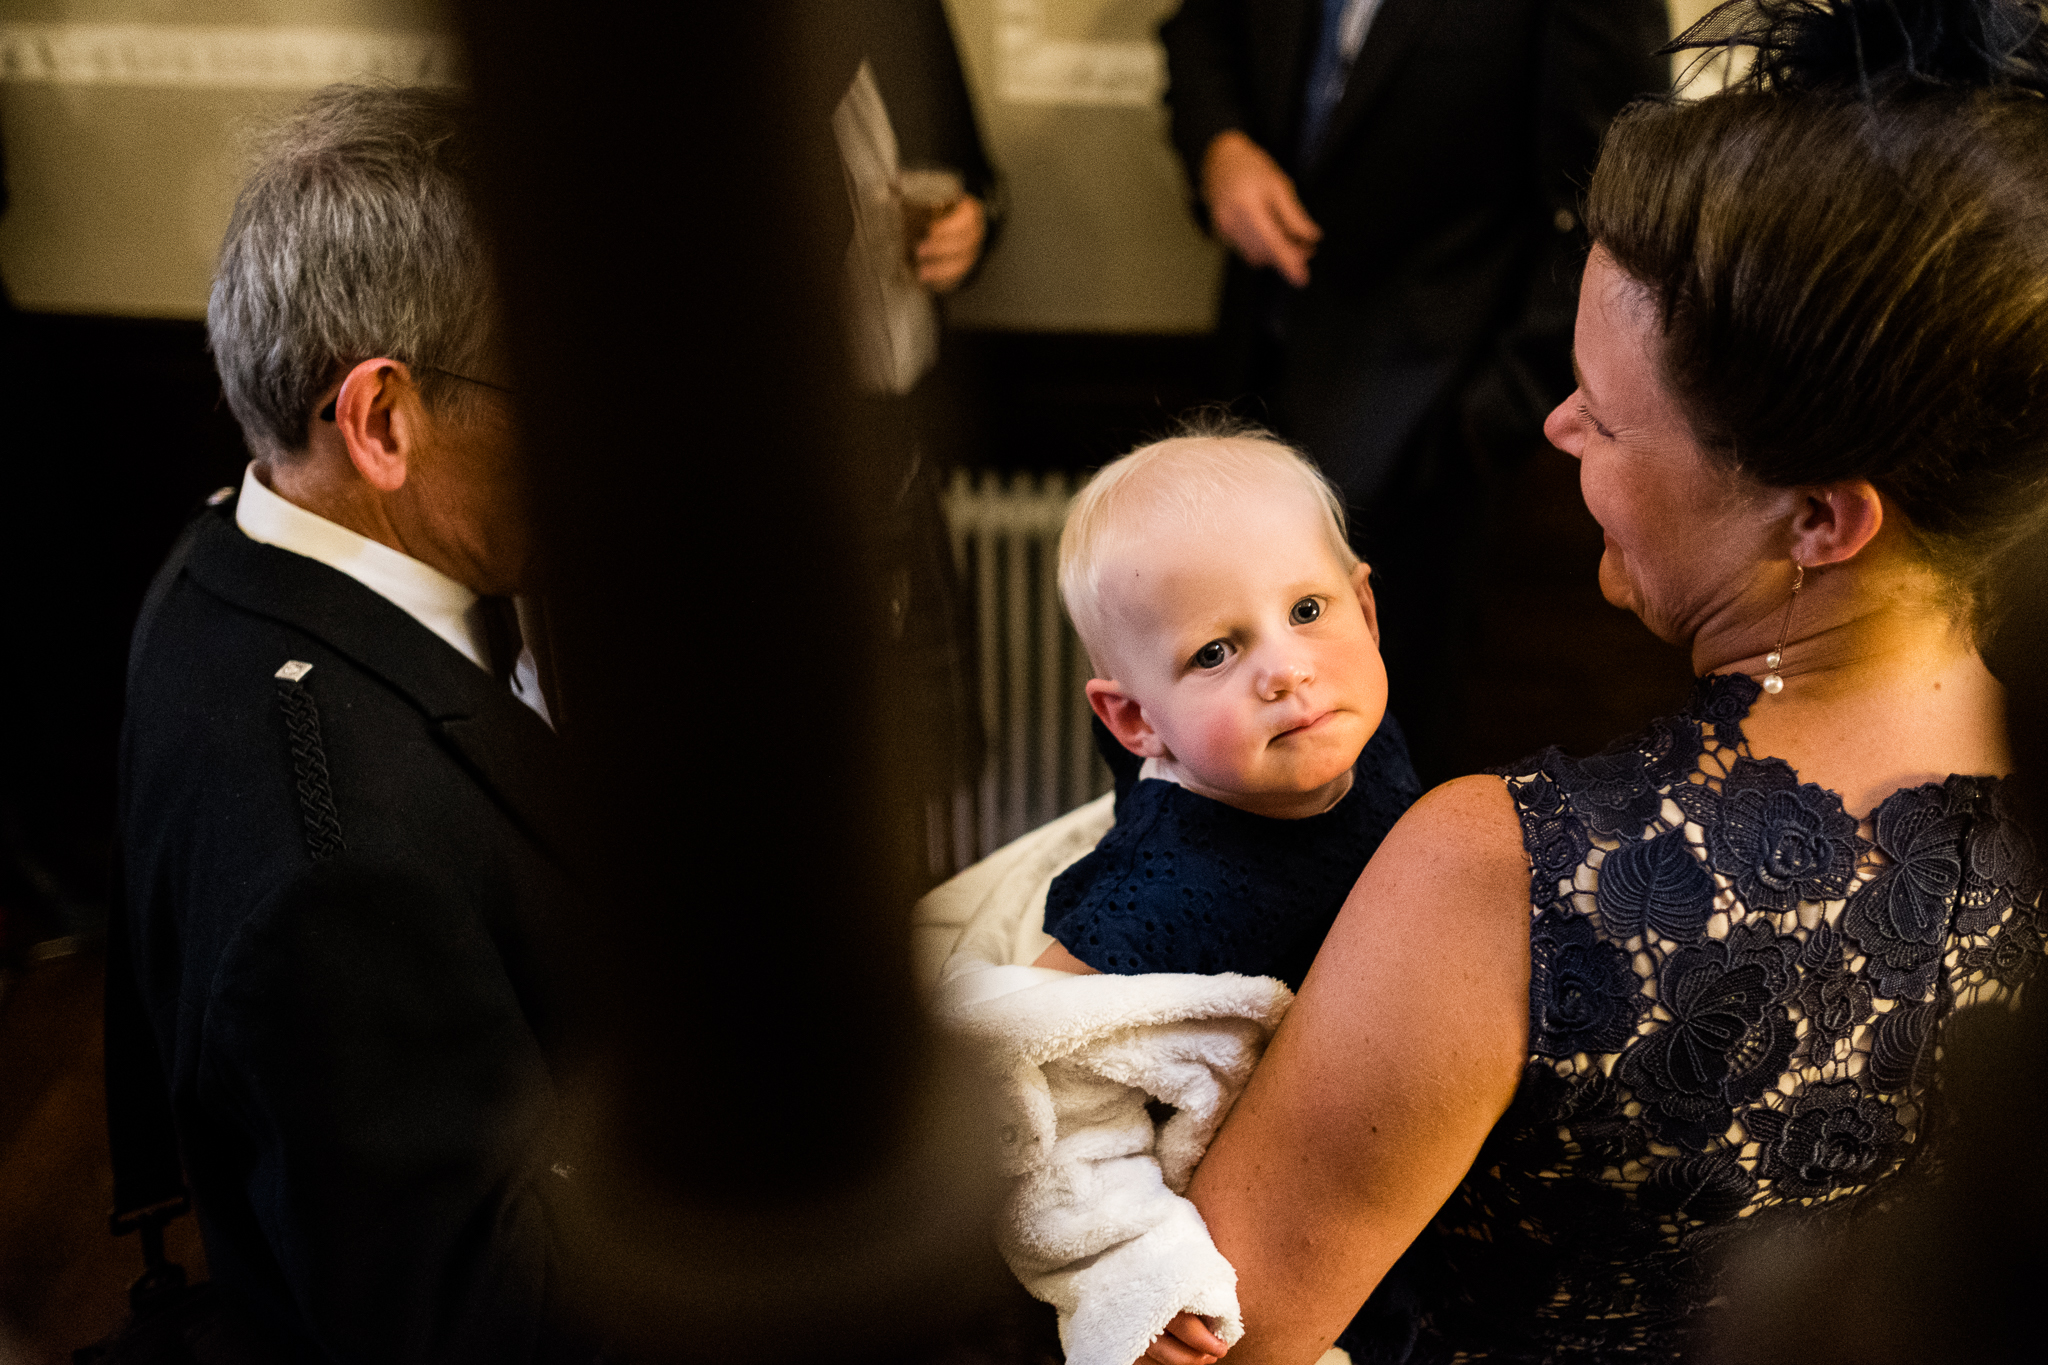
<point x="1851" y="270"/>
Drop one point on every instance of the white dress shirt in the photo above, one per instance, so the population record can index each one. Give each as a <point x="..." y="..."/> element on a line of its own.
<point x="432" y="598"/>
<point x="1351" y="28"/>
<point x="894" y="324"/>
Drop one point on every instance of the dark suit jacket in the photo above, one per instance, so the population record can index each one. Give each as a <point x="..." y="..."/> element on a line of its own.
<point x="358" y="1047"/>
<point x="917" y="69"/>
<point x="1448" y="191"/>
<point x="909" y="45"/>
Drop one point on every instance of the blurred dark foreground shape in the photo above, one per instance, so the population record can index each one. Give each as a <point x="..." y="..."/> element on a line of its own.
<point x="775" y="1162"/>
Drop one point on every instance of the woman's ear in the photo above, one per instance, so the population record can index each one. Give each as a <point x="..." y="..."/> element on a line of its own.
<point x="377" y="413"/>
<point x="1361" y="583"/>
<point x="1125" y="718"/>
<point x="1835" y="521"/>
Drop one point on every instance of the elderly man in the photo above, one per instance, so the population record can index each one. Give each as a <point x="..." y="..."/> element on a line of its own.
<point x="335" y="773"/>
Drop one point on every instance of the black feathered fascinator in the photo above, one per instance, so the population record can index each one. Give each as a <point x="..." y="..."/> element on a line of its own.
<point x="1859" y="44"/>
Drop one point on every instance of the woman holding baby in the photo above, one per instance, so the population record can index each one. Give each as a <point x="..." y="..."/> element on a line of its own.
<point x="1574" y="1027"/>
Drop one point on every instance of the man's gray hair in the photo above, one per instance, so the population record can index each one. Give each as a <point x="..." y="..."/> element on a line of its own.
<point x="354" y="237"/>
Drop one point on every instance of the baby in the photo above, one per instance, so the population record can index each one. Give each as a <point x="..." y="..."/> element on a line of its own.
<point x="1236" y="657"/>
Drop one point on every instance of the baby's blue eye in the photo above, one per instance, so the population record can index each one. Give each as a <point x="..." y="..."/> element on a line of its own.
<point x="1211" y="655"/>
<point x="1305" y="611"/>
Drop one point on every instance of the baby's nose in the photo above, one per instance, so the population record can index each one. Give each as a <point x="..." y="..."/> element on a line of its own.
<point x="1285" y="677"/>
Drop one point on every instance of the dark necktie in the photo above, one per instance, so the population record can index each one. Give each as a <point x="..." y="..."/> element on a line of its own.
<point x="1325" y="82"/>
<point x="501" y="635"/>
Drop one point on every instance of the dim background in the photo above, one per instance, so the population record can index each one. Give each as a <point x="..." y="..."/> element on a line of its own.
<point x="122" y="123"/>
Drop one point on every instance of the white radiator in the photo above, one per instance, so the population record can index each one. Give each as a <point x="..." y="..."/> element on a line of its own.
<point x="1041" y="760"/>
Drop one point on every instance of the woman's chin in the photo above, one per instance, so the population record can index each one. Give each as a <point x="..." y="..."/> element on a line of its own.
<point x="1614" y="584"/>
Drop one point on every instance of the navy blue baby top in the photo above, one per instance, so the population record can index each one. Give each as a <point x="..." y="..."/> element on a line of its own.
<point x="1184" y="883"/>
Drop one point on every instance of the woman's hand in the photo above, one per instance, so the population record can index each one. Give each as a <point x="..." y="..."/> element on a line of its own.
<point x="951" y="245"/>
<point x="1187" y="1340"/>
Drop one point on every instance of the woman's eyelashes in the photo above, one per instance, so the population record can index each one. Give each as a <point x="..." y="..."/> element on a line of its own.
<point x="1594" y="422"/>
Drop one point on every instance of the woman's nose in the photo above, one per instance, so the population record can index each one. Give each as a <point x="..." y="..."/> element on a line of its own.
<point x="1563" y="428"/>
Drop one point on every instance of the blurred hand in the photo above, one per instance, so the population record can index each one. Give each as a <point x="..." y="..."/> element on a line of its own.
<point x="1187" y="1340"/>
<point x="1254" y="207"/>
<point x="951" y="245"/>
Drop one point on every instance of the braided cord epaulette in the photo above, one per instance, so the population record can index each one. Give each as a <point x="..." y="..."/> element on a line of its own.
<point x="309" y="761"/>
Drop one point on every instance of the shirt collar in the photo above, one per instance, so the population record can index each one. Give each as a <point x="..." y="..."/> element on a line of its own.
<point x="423" y="592"/>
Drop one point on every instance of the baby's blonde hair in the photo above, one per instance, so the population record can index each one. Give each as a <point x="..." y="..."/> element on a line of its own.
<point x="1191" y="478"/>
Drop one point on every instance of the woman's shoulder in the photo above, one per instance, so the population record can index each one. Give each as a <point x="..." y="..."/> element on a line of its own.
<point x="1426" y="971"/>
<point x="1455" y="864"/>
<point x="1479" y="805"/>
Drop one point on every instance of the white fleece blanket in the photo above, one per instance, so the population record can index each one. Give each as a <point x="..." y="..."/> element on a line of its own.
<point x="1095" y="1224"/>
<point x="994" y="911"/>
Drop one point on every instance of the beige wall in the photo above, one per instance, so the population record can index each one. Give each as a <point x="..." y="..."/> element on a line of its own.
<point x="122" y="154"/>
<point x="122" y="157"/>
<point x="1708" y="76"/>
<point x="1684" y="12"/>
<point x="1099" y="237"/>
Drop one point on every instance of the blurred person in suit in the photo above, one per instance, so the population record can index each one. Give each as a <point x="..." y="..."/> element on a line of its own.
<point x="343" y="877"/>
<point x="1398" y="182"/>
<point x="923" y="202"/>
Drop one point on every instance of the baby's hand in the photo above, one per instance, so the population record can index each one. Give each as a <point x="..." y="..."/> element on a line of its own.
<point x="1187" y="1340"/>
<point x="1059" y="959"/>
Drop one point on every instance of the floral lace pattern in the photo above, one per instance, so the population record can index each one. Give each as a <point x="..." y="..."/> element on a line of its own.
<point x="1735" y="997"/>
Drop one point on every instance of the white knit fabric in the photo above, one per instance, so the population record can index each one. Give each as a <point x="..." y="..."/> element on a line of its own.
<point x="994" y="911"/>
<point x="1095" y="1224"/>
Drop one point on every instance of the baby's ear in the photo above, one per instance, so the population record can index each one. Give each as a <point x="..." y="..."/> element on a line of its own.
<point x="1120" y="711"/>
<point x="1361" y="583"/>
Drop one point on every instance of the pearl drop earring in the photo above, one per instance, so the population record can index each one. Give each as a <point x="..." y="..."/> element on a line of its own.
<point x="1774" y="683"/>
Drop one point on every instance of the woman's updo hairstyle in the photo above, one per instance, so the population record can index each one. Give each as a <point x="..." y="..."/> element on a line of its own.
<point x="1848" y="251"/>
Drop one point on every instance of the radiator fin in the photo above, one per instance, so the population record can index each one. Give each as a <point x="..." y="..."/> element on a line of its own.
<point x="1041" y="761"/>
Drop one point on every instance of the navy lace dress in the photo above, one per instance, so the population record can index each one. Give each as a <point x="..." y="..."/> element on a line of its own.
<point x="1736" y="995"/>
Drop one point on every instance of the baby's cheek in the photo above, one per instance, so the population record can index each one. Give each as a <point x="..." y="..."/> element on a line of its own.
<point x="1373" y="686"/>
<point x="1229" y="742"/>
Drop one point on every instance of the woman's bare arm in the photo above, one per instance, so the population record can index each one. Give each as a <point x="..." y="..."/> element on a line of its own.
<point x="1405" y="1046"/>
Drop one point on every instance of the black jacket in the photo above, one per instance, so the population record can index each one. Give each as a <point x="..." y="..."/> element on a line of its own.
<point x="358" y="1046"/>
<point x="1448" y="190"/>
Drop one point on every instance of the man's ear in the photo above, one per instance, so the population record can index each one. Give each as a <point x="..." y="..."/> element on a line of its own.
<point x="1120" y="711"/>
<point x="1835" y="521"/>
<point x="378" y="415"/>
<point x="1361" y="583"/>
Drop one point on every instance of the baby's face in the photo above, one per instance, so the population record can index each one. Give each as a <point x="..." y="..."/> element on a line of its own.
<point x="1251" y="653"/>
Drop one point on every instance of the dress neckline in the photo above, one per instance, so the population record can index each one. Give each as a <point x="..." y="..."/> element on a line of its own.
<point x="1724" y="701"/>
